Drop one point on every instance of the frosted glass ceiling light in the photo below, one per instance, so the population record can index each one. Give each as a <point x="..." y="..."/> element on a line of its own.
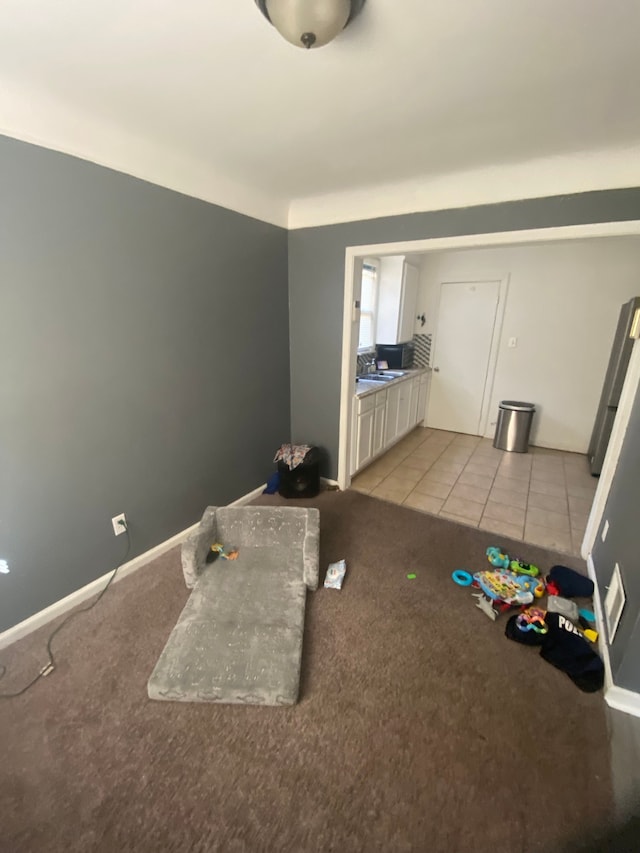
<point x="310" y="23"/>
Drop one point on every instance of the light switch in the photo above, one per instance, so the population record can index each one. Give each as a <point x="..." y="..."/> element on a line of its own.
<point x="513" y="343"/>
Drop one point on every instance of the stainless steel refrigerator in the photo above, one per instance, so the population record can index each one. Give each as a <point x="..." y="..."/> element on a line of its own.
<point x="613" y="382"/>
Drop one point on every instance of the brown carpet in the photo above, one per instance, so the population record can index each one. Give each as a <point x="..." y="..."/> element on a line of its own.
<point x="420" y="726"/>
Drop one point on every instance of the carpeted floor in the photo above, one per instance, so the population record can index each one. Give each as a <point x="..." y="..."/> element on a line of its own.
<point x="420" y="727"/>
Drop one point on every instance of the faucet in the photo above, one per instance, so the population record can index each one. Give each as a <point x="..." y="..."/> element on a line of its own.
<point x="371" y="366"/>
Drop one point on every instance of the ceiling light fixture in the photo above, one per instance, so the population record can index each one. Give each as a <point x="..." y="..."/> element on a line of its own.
<point x="310" y="23"/>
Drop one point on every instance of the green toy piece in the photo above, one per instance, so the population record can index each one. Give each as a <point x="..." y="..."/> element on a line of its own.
<point x="524" y="568"/>
<point x="411" y="576"/>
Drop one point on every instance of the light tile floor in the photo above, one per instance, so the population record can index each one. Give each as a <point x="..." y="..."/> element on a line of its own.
<point x="542" y="497"/>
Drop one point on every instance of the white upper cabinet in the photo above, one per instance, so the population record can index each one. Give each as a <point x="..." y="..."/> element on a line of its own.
<point x="408" y="302"/>
<point x="397" y="298"/>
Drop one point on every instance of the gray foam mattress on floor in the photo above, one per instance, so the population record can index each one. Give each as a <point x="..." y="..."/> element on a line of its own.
<point x="239" y="637"/>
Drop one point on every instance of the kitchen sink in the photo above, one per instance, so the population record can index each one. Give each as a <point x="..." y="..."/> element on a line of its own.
<point x="376" y="377"/>
<point x="387" y="376"/>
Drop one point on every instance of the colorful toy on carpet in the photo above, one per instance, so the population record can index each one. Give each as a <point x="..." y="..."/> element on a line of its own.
<point x="509" y="587"/>
<point x="500" y="560"/>
<point x="587" y="614"/>
<point x="497" y="558"/>
<point x="538" y="621"/>
<point x="217" y="550"/>
<point x="462" y="577"/>
<point x="523" y="568"/>
<point x="485" y="605"/>
<point x="532" y="619"/>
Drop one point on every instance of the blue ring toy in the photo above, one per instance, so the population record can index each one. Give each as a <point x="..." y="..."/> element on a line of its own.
<point x="462" y="578"/>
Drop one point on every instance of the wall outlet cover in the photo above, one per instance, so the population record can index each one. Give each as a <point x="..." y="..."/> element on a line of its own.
<point x="118" y="527"/>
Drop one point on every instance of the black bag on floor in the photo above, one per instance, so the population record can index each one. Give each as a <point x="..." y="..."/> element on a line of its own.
<point x="565" y="648"/>
<point x="571" y="583"/>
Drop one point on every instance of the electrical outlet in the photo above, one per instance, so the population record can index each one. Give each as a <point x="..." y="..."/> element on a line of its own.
<point x="605" y="530"/>
<point x="513" y="343"/>
<point x="119" y="523"/>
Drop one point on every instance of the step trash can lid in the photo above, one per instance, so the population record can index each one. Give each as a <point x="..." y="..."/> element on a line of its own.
<point x="515" y="406"/>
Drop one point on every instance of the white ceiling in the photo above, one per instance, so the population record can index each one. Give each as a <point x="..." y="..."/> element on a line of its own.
<point x="205" y="97"/>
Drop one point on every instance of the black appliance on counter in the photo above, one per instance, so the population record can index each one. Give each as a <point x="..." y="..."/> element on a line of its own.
<point x="397" y="356"/>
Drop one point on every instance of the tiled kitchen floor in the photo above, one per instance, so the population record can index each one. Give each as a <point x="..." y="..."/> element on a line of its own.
<point x="542" y="497"/>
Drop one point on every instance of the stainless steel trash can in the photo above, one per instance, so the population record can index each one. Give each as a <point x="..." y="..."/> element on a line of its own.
<point x="514" y="426"/>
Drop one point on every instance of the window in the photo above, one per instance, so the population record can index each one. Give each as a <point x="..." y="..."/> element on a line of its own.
<point x="368" y="304"/>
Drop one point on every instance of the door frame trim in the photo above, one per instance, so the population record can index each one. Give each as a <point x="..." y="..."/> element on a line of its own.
<point x="496" y="332"/>
<point x="628" y="228"/>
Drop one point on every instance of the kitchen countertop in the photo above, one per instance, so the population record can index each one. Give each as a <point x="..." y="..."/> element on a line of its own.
<point x="364" y="387"/>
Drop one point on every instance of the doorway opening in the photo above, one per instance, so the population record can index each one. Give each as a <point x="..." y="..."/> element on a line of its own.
<point x="481" y="425"/>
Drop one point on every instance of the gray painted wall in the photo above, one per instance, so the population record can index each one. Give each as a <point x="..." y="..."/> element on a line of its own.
<point x="316" y="287"/>
<point x="144" y="366"/>
<point x="621" y="546"/>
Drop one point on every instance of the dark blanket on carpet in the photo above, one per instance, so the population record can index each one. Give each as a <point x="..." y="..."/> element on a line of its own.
<point x="420" y="726"/>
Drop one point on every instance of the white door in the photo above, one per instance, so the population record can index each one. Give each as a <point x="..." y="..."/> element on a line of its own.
<point x="466" y="322"/>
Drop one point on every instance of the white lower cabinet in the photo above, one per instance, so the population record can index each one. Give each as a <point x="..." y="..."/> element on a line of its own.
<point x="404" y="407"/>
<point x="381" y="418"/>
<point x="364" y="447"/>
<point x="353" y="450"/>
<point x="423" y="388"/>
<point x="413" y="400"/>
<point x="391" y="425"/>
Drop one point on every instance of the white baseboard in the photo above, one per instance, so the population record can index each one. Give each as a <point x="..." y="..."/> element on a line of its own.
<point x="623" y="700"/>
<point x="616" y="697"/>
<point x="32" y="623"/>
<point x="326" y="481"/>
<point x="251" y="496"/>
